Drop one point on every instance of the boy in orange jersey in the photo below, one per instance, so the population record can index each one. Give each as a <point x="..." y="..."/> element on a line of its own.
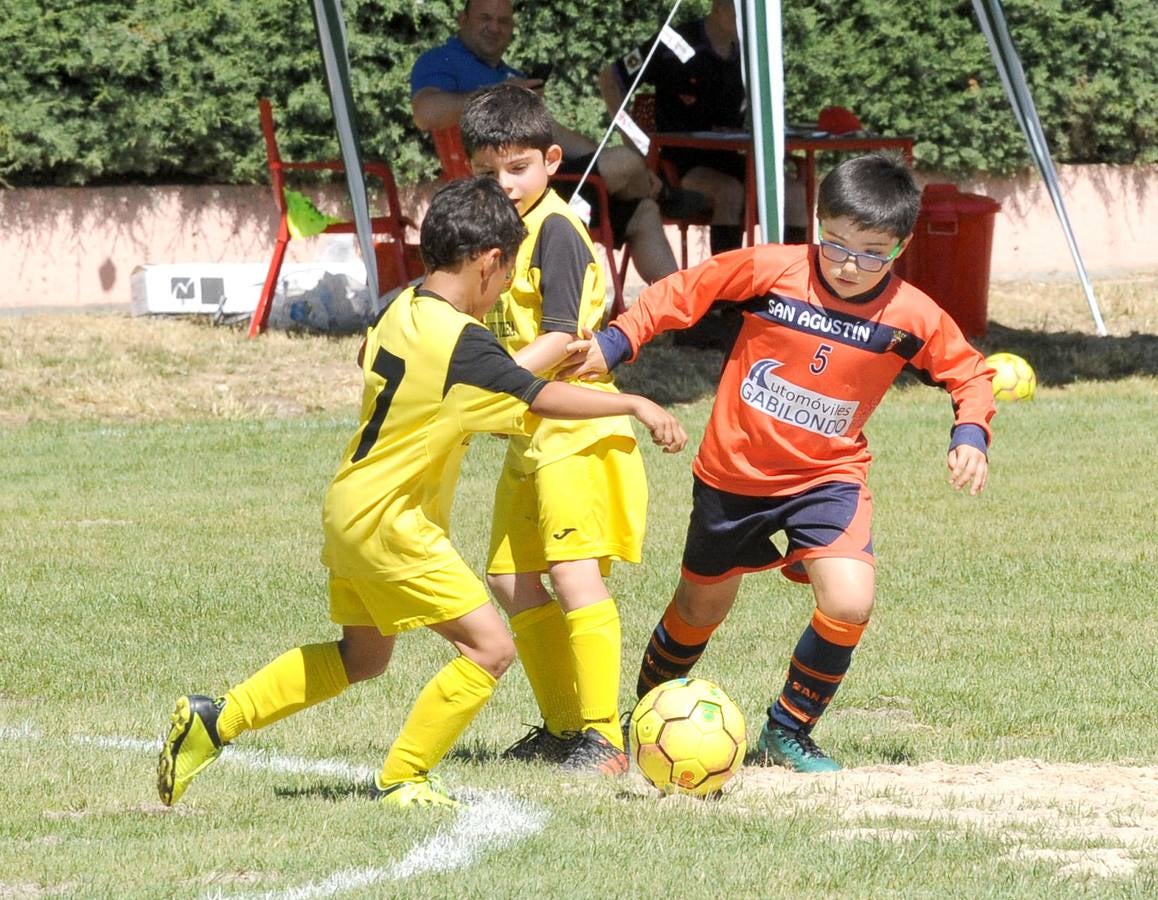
<point x="826" y="330"/>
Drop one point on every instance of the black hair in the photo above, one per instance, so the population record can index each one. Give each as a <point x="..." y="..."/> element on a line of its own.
<point x="468" y="217"/>
<point x="877" y="192"/>
<point x="504" y="116"/>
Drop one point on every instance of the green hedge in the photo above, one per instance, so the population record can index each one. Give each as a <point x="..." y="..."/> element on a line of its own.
<point x="165" y="90"/>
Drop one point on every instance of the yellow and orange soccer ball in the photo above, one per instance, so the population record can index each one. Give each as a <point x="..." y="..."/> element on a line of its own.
<point x="687" y="737"/>
<point x="1015" y="378"/>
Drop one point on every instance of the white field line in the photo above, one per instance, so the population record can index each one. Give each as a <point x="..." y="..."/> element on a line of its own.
<point x="492" y="820"/>
<point x="263" y="760"/>
<point x="25" y="731"/>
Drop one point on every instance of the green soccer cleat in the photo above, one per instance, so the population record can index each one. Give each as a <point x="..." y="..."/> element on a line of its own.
<point x="191" y="744"/>
<point x="539" y="744"/>
<point x="592" y="752"/>
<point x="428" y="791"/>
<point x="794" y="750"/>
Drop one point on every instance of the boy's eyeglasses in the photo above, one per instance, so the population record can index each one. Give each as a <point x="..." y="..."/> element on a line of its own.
<point x="866" y="262"/>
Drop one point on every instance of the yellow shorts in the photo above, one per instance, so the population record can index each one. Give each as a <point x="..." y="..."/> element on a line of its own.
<point x="592" y="505"/>
<point x="393" y="606"/>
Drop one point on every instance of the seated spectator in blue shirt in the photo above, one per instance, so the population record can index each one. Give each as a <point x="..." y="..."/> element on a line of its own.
<point x="444" y="77"/>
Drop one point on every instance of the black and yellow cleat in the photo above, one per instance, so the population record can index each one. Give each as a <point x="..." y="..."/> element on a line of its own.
<point x="191" y="745"/>
<point x="427" y="791"/>
<point x="540" y="745"/>
<point x="592" y="752"/>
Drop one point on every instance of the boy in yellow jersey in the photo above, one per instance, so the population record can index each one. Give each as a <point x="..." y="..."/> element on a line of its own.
<point x="572" y="496"/>
<point x="433" y="375"/>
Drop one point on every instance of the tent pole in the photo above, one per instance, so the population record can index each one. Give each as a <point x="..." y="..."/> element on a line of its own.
<point x="1005" y="57"/>
<point x="760" y="41"/>
<point x="330" y="23"/>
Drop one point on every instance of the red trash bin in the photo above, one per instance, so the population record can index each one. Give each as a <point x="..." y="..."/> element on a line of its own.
<point x="949" y="255"/>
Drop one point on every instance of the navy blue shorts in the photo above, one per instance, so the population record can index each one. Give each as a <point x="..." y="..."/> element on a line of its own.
<point x="730" y="534"/>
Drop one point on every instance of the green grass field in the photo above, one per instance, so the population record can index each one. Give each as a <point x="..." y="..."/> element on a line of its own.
<point x="998" y="724"/>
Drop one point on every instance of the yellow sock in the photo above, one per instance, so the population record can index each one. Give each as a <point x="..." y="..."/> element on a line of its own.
<point x="595" y="646"/>
<point x="544" y="645"/>
<point x="448" y="703"/>
<point x="298" y="678"/>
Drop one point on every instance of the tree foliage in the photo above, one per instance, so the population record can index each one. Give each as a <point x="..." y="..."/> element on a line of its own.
<point x="165" y="90"/>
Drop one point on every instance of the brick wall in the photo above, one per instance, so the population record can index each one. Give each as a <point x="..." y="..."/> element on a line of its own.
<point x="69" y="247"/>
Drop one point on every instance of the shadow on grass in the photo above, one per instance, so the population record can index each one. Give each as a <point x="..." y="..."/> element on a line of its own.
<point x="471" y="752"/>
<point x="894" y="754"/>
<point x="668" y="374"/>
<point x="1063" y="357"/>
<point x="335" y="792"/>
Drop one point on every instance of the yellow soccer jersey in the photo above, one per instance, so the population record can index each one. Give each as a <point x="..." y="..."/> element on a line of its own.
<point x="557" y="286"/>
<point x="433" y="376"/>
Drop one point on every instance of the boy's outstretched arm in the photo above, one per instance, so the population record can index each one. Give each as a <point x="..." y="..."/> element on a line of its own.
<point x="947" y="360"/>
<point x="585" y="359"/>
<point x="558" y="400"/>
<point x="672" y="303"/>
<point x="545" y="352"/>
<point x="968" y="466"/>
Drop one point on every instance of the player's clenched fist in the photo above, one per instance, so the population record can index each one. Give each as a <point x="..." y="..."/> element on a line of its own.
<point x="665" y="428"/>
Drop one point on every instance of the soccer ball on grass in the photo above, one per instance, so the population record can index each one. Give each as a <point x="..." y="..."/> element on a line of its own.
<point x="1014" y="378"/>
<point x="687" y="736"/>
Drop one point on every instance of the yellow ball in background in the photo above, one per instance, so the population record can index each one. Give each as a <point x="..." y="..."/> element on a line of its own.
<point x="1014" y="378"/>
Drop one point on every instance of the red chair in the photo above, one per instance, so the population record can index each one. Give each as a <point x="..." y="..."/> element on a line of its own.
<point x="456" y="164"/>
<point x="451" y="153"/>
<point x="397" y="261"/>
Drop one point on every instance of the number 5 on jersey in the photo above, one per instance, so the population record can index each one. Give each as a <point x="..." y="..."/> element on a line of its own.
<point x="820" y="359"/>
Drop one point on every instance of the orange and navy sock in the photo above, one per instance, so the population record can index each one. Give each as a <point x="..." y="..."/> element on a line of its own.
<point x="819" y="662"/>
<point x="675" y="647"/>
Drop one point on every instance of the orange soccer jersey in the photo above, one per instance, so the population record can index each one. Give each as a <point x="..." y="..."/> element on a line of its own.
<point x="808" y="368"/>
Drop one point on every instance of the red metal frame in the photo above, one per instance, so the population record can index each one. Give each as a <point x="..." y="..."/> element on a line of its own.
<point x="741" y="142"/>
<point x="397" y="261"/>
<point x="837" y="144"/>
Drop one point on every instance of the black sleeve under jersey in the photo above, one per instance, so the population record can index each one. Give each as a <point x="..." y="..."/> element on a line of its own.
<point x="562" y="258"/>
<point x="479" y="361"/>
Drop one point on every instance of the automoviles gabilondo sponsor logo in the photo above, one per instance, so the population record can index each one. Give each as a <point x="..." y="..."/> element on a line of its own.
<point x="786" y="402"/>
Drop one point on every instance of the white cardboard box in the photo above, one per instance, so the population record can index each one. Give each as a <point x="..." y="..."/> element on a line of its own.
<point x="231" y="288"/>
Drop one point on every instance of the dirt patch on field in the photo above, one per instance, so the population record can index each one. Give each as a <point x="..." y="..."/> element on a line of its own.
<point x="110" y="367"/>
<point x="1041" y="810"/>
